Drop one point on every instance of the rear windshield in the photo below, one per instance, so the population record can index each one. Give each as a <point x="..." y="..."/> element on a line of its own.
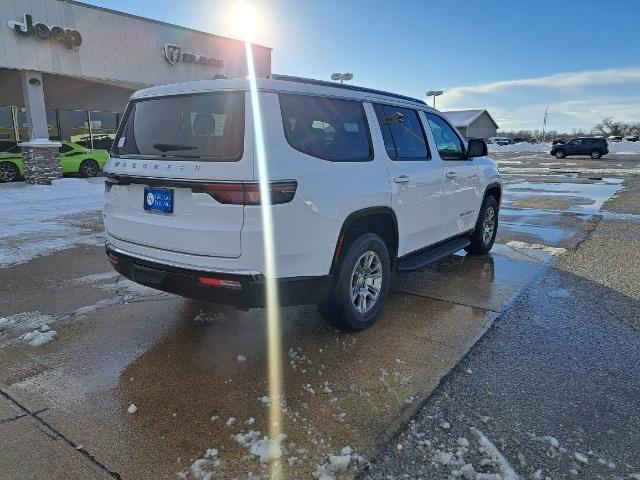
<point x="207" y="126"/>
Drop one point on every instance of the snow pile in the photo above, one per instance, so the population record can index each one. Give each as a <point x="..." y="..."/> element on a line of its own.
<point x="334" y="464"/>
<point x="536" y="246"/>
<point x="519" y="147"/>
<point x="25" y="321"/>
<point x="132" y="409"/>
<point x="202" y="469"/>
<point x="264" y="448"/>
<point x="614" y="147"/>
<point x="45" y="218"/>
<point x="39" y="337"/>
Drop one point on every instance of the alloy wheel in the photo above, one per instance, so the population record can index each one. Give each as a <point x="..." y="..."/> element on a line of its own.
<point x="488" y="225"/>
<point x="366" y="281"/>
<point x="7" y="172"/>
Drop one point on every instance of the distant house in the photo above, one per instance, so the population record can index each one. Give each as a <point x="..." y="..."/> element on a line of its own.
<point x="473" y="123"/>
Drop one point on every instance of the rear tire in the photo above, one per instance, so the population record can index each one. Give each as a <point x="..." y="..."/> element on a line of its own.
<point x="360" y="285"/>
<point x="560" y="154"/>
<point x="89" y="168"/>
<point x="8" y="172"/>
<point x="486" y="228"/>
<point x="595" y="154"/>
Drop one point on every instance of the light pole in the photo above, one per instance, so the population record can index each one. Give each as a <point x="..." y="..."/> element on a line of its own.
<point x="342" y="77"/>
<point x="434" y="94"/>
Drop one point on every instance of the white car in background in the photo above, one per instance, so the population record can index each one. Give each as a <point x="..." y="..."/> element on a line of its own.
<point x="362" y="183"/>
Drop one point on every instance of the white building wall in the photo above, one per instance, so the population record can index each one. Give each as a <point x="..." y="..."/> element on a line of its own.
<point x="116" y="47"/>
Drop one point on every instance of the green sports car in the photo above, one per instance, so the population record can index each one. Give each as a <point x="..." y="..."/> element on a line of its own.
<point x="75" y="159"/>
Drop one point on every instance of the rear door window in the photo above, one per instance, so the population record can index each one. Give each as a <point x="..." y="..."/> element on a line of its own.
<point x="326" y="128"/>
<point x="402" y="132"/>
<point x="208" y="126"/>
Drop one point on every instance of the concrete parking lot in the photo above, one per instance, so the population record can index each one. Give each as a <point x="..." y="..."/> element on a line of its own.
<point x="197" y="374"/>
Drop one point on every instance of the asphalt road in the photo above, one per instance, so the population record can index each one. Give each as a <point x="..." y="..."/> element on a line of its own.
<point x="198" y="378"/>
<point x="555" y="384"/>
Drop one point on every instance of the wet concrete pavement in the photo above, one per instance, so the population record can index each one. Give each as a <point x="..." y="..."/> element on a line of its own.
<point x="191" y="368"/>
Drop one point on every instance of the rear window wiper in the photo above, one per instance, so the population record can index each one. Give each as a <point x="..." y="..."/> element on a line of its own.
<point x="172" y="147"/>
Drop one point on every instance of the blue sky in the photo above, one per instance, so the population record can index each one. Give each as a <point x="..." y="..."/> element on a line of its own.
<point x="580" y="58"/>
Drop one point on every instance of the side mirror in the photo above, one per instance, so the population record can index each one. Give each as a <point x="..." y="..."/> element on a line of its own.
<point x="476" y="147"/>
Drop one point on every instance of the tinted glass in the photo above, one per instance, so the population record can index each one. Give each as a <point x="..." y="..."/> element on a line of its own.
<point x="74" y="125"/>
<point x="447" y="141"/>
<point x="204" y="126"/>
<point x="326" y="128"/>
<point x="65" y="149"/>
<point x="7" y="132"/>
<point x="402" y="133"/>
<point x="103" y="129"/>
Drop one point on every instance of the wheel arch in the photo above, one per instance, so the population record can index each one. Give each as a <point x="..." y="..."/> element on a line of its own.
<point x="380" y="220"/>
<point x="494" y="189"/>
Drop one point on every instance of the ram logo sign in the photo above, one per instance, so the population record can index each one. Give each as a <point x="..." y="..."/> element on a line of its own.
<point x="173" y="54"/>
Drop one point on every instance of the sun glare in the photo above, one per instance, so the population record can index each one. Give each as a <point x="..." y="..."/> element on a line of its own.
<point x="245" y="16"/>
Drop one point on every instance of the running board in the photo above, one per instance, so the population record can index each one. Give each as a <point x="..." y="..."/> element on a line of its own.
<point x="422" y="258"/>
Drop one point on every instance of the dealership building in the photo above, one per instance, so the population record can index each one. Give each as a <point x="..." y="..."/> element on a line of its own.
<point x="68" y="68"/>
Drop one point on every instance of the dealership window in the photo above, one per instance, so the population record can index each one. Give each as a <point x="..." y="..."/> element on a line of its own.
<point x="326" y="128"/>
<point x="402" y="133"/>
<point x="205" y="126"/>
<point x="75" y="127"/>
<point x="103" y="129"/>
<point x="7" y="129"/>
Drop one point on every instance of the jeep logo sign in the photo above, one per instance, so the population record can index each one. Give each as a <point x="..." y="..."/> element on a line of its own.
<point x="70" y="38"/>
<point x="174" y="55"/>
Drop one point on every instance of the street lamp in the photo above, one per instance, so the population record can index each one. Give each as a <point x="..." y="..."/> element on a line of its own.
<point x="342" y="77"/>
<point x="434" y="94"/>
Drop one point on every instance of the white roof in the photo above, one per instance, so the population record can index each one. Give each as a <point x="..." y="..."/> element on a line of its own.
<point x="273" y="85"/>
<point x="464" y="118"/>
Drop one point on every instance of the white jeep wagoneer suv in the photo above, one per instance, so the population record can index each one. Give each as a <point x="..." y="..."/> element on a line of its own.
<point x="362" y="183"/>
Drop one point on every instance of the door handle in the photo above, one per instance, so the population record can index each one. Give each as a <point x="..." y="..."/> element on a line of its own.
<point x="401" y="179"/>
<point x="451" y="175"/>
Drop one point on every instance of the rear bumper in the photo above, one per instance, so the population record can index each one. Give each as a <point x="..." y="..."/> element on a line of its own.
<point x="243" y="290"/>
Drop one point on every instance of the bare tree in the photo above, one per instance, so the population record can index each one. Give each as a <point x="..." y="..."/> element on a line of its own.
<point x="608" y="127"/>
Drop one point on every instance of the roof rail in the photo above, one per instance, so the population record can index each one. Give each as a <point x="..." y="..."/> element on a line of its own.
<point x="324" y="83"/>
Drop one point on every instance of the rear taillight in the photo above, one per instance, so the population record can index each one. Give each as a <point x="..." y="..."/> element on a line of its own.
<point x="248" y="193"/>
<point x="218" y="282"/>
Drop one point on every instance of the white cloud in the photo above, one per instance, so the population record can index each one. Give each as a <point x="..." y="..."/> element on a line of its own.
<point x="575" y="99"/>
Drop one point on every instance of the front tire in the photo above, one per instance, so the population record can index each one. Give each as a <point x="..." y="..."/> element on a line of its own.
<point x="360" y="285"/>
<point x="89" y="168"/>
<point x="595" y="154"/>
<point x="560" y="154"/>
<point x="8" y="172"/>
<point x="486" y="228"/>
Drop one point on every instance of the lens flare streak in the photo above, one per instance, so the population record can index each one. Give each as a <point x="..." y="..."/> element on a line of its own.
<point x="274" y="345"/>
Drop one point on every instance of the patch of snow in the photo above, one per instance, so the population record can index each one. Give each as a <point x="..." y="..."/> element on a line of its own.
<point x="40" y="337"/>
<point x="202" y="468"/>
<point x="132" y="408"/>
<point x="445" y="425"/>
<point x="250" y="421"/>
<point x="507" y="471"/>
<point x="43" y="218"/>
<point x="580" y="457"/>
<point x="242" y="358"/>
<point x="97" y="277"/>
<point x="536" y="246"/>
<point x="230" y="421"/>
<point x="25" y="321"/>
<point x="265" y="399"/>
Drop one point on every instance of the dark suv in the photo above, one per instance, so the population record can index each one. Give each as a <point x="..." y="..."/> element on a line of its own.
<point x="594" y="147"/>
